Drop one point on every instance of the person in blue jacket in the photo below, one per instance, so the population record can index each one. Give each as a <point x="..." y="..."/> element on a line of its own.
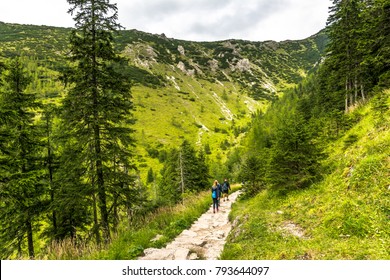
<point x="215" y="194"/>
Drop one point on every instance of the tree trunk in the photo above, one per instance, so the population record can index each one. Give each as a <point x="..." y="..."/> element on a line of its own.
<point x="50" y="169"/>
<point x="100" y="186"/>
<point x="96" y="227"/>
<point x="356" y="89"/>
<point x="95" y="220"/>
<point x="181" y="176"/>
<point x="346" y="95"/>
<point x="30" y="242"/>
<point x="97" y="137"/>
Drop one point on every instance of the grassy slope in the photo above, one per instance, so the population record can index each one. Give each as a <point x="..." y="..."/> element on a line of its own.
<point x="345" y="216"/>
<point x="191" y="107"/>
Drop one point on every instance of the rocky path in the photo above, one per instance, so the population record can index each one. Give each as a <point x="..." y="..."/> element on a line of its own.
<point x="204" y="240"/>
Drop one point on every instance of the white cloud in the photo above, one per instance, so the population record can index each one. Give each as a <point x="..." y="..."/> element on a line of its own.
<point x="208" y="20"/>
<point x="198" y="20"/>
<point x="38" y="12"/>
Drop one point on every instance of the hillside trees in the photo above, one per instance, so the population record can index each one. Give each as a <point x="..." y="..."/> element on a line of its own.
<point x="281" y="151"/>
<point x="345" y="28"/>
<point x="293" y="161"/>
<point x="184" y="171"/>
<point x="97" y="111"/>
<point x="358" y="52"/>
<point x="293" y="129"/>
<point x="253" y="172"/>
<point x="22" y="188"/>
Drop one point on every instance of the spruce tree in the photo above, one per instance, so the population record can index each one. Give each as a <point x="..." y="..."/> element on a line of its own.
<point x="344" y="29"/>
<point x="22" y="190"/>
<point x="294" y="159"/>
<point x="183" y="172"/>
<point x="253" y="172"/>
<point x="97" y="112"/>
<point x="171" y="178"/>
<point x="203" y="173"/>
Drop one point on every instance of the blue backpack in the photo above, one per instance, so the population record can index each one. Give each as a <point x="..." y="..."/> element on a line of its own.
<point x="214" y="193"/>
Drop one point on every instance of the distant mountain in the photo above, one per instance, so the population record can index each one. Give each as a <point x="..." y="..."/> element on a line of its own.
<point x="205" y="92"/>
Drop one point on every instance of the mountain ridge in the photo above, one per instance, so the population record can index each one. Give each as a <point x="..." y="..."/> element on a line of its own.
<point x="204" y="91"/>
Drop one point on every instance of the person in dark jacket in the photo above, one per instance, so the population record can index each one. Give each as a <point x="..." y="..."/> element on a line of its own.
<point x="225" y="190"/>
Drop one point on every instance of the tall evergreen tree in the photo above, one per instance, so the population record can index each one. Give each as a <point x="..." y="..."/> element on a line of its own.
<point x="183" y="172"/>
<point x="22" y="190"/>
<point x="344" y="28"/>
<point x="203" y="171"/>
<point x="294" y="158"/>
<point x="379" y="15"/>
<point x="253" y="172"/>
<point x="170" y="189"/>
<point x="97" y="111"/>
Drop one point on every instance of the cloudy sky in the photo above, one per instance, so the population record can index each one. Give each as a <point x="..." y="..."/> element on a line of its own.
<point x="195" y="20"/>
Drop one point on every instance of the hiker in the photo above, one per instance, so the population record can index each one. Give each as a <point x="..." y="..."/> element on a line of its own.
<point x="215" y="195"/>
<point x="225" y="190"/>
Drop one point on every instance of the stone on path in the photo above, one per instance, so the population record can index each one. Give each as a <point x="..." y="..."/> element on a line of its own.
<point x="205" y="239"/>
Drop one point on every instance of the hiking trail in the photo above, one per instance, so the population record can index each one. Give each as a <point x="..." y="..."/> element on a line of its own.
<point x="204" y="240"/>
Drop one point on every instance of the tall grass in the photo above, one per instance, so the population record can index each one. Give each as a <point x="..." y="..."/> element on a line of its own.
<point x="129" y="243"/>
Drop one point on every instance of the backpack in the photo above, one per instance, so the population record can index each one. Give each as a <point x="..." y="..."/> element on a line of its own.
<point x="214" y="193"/>
<point x="225" y="187"/>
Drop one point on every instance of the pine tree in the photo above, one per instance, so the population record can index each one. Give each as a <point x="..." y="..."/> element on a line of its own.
<point x="344" y="29"/>
<point x="22" y="190"/>
<point x="253" y="172"/>
<point x="97" y="110"/>
<point x="150" y="176"/>
<point x="293" y="161"/>
<point x="203" y="173"/>
<point x="170" y="189"/>
<point x="378" y="64"/>
<point x="183" y="172"/>
<point x="73" y="196"/>
<point x="51" y="159"/>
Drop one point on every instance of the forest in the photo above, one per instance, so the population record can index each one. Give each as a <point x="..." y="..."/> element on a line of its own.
<point x="68" y="150"/>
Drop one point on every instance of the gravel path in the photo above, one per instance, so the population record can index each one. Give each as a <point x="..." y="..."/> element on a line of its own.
<point x="204" y="240"/>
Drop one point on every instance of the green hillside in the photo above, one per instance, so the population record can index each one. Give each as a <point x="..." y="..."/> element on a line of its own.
<point x="205" y="92"/>
<point x="343" y="216"/>
<point x="109" y="138"/>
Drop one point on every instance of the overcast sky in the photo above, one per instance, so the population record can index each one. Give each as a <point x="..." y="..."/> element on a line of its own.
<point x="195" y="20"/>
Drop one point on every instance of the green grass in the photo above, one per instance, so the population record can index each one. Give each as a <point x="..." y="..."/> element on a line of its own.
<point x="136" y="236"/>
<point x="167" y="222"/>
<point x="345" y="216"/>
<point x="132" y="240"/>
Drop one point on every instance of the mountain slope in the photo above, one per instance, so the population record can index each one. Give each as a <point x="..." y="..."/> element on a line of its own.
<point x="202" y="91"/>
<point x="344" y="216"/>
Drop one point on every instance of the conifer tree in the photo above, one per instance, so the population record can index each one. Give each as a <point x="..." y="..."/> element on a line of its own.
<point x="344" y="28"/>
<point x="150" y="176"/>
<point x="170" y="182"/>
<point x="203" y="173"/>
<point x="97" y="110"/>
<point x="253" y="172"/>
<point x="22" y="190"/>
<point x="184" y="172"/>
<point x="294" y="158"/>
